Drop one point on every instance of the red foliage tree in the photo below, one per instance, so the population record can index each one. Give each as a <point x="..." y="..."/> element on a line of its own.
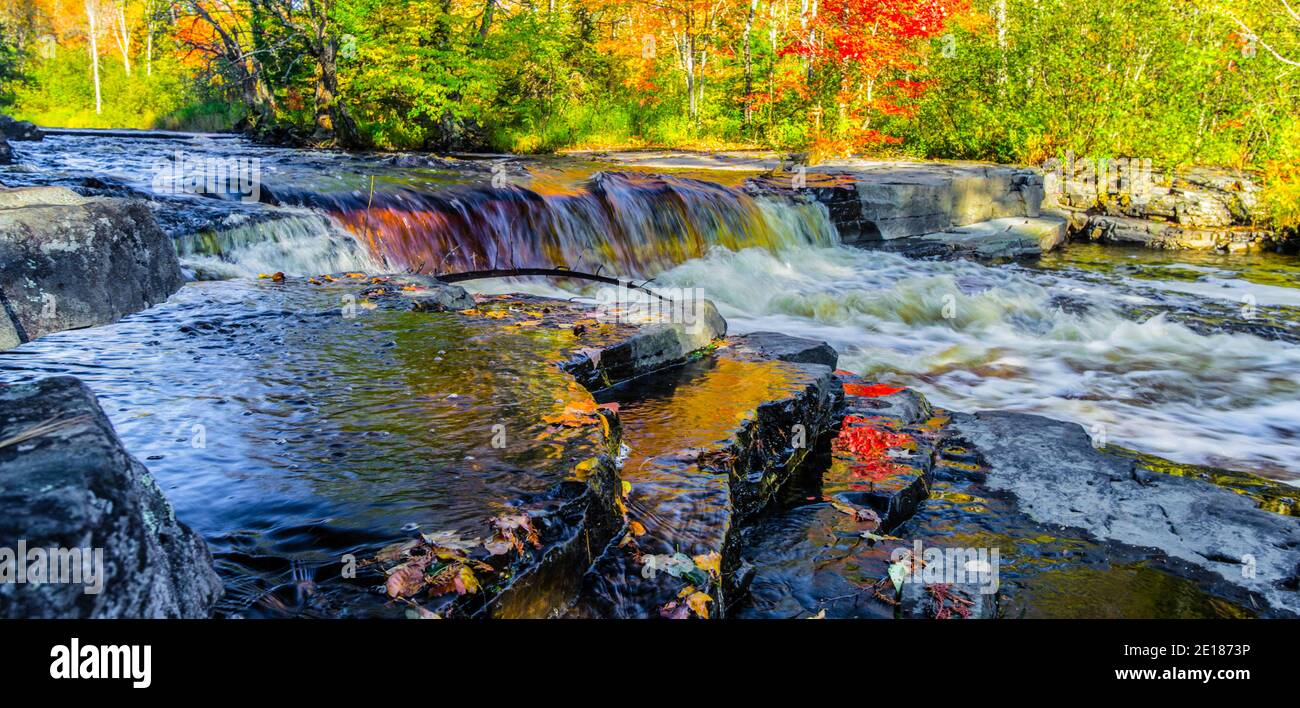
<point x="874" y="49"/>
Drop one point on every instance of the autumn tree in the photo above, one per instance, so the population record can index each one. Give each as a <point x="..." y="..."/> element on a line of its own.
<point x="864" y="55"/>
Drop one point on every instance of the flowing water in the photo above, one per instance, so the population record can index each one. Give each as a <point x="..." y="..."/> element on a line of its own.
<point x="285" y="429"/>
<point x="1195" y="357"/>
<point x="326" y="435"/>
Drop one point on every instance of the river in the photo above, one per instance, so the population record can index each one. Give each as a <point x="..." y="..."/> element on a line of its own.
<point x="1191" y="356"/>
<point x="316" y="429"/>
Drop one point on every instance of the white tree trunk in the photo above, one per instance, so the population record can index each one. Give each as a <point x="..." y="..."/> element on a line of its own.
<point x="94" y="53"/>
<point x="1002" y="39"/>
<point x="122" y="35"/>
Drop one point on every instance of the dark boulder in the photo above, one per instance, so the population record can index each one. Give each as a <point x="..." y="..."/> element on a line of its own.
<point x="20" y="129"/>
<point x="774" y="345"/>
<point x="68" y="261"/>
<point x="73" y="485"/>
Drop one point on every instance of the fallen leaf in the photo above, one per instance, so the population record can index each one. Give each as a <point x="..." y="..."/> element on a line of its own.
<point x="699" y="603"/>
<point x="870" y="390"/>
<point x="710" y="562"/>
<point x="407" y="578"/>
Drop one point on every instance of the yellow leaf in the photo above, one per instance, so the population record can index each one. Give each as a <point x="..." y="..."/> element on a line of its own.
<point x="637" y="528"/>
<point x="699" y="603"/>
<point x="710" y="562"/>
<point x="627" y="488"/>
<point x="467" y="580"/>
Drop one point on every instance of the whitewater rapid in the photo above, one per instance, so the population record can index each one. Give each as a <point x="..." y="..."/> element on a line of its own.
<point x="976" y="337"/>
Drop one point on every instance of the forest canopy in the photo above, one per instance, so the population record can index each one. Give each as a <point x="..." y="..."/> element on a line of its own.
<point x="1179" y="81"/>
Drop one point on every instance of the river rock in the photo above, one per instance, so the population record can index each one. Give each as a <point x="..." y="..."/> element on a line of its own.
<point x="774" y="345"/>
<point x="1161" y="234"/>
<point x="1060" y="479"/>
<point x="68" y="261"/>
<point x="651" y="348"/>
<point x="1200" y="208"/>
<point x="76" y="487"/>
<point x="20" y="129"/>
<point x="6" y="152"/>
<point x="993" y="240"/>
<point x="875" y="201"/>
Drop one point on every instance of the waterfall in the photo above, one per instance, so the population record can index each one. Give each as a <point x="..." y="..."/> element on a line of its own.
<point x="293" y="241"/>
<point x="625" y="224"/>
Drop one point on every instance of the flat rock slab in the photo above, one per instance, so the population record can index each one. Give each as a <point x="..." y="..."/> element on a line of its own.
<point x="880" y="201"/>
<point x="883" y="455"/>
<point x="67" y="483"/>
<point x="1059" y="478"/>
<point x="783" y="347"/>
<point x="68" y="262"/>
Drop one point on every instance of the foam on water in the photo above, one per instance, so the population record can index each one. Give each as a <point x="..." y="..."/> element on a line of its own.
<point x="976" y="337"/>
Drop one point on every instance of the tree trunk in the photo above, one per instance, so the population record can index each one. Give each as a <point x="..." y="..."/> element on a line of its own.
<point x="688" y="52"/>
<point x="489" y="6"/>
<point x="122" y="35"/>
<point x="1002" y="40"/>
<point x="257" y="97"/>
<point x="94" y="53"/>
<point x="749" y="63"/>
<point x="332" y="117"/>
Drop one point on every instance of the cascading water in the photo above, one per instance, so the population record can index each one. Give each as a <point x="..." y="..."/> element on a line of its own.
<point x="1138" y="362"/>
<point x="632" y="224"/>
<point x="300" y="242"/>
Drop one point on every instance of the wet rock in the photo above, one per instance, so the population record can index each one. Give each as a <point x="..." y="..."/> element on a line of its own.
<point x="875" y="201"/>
<point x="1007" y="238"/>
<point x="692" y="494"/>
<point x="1199" y="208"/>
<point x="994" y="240"/>
<point x="1059" y="478"/>
<point x="818" y="556"/>
<point x="68" y="261"/>
<point x="774" y="345"/>
<point x="439" y="297"/>
<point x="1161" y="234"/>
<point x="6" y="152"/>
<point x="651" y="348"/>
<point x="19" y="129"/>
<point x="76" y="487"/>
